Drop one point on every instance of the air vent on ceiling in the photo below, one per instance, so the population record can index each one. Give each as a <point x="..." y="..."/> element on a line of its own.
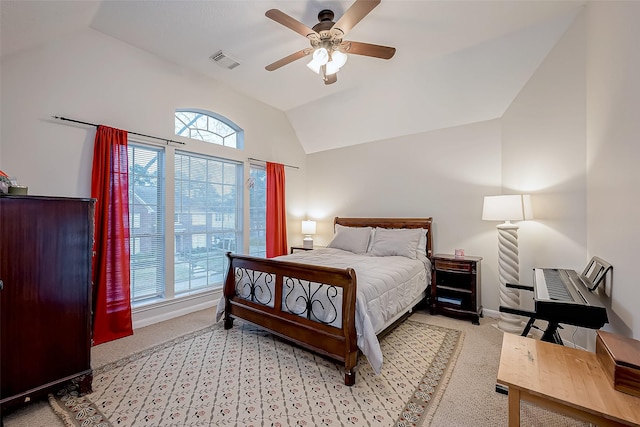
<point x="224" y="60"/>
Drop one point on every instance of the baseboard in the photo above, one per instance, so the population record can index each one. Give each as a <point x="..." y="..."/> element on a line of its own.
<point x="169" y="309"/>
<point x="494" y="314"/>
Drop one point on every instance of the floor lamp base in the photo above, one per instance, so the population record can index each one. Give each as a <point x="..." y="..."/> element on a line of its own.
<point x="509" y="272"/>
<point x="510" y="326"/>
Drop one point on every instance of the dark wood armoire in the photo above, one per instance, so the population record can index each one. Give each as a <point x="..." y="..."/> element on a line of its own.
<point x="45" y="297"/>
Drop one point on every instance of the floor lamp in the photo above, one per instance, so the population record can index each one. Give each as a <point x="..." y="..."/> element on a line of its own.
<point x="508" y="208"/>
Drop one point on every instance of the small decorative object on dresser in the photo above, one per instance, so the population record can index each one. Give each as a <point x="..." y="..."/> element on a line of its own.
<point x="455" y="286"/>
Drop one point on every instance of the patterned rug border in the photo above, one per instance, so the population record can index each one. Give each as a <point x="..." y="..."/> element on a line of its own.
<point x="419" y="410"/>
<point x="414" y="414"/>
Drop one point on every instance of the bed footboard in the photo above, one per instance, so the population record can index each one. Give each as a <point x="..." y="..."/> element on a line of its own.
<point x="310" y="305"/>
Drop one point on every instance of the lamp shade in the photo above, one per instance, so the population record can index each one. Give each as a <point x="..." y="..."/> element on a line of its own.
<point x="320" y="58"/>
<point x="338" y="59"/>
<point x="308" y="227"/>
<point x="516" y="207"/>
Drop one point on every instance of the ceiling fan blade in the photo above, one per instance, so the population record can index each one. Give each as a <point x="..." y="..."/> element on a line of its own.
<point x="354" y="14"/>
<point x="288" y="59"/>
<point x="366" y="49"/>
<point x="284" y="19"/>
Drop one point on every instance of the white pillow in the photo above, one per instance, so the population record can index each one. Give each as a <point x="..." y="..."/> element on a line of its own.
<point x="352" y="239"/>
<point x="422" y="244"/>
<point x="370" y="245"/>
<point x="399" y="241"/>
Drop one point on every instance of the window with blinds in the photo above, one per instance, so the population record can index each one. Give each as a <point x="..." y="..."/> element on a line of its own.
<point x="146" y="222"/>
<point x="206" y="219"/>
<point x="257" y="210"/>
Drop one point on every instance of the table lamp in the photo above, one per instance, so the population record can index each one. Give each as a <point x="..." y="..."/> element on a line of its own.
<point x="308" y="228"/>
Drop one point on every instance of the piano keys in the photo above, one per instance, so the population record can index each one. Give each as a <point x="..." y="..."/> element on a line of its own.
<point x="564" y="296"/>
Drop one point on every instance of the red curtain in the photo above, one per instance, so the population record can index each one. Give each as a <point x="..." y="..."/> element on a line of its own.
<point x="110" y="269"/>
<point x="276" y="213"/>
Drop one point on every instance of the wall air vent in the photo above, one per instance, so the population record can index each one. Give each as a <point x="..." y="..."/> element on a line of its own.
<point x="224" y="60"/>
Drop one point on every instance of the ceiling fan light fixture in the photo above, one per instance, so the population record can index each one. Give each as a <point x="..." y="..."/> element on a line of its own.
<point x="332" y="68"/>
<point x="338" y="59"/>
<point x="320" y="58"/>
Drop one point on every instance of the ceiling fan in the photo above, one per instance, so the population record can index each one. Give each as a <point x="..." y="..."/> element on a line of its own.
<point x="328" y="47"/>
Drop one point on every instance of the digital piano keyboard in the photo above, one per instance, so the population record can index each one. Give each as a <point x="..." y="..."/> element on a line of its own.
<point x="564" y="296"/>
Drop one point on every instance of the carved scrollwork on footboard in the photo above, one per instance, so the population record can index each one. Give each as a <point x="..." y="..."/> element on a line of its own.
<point x="315" y="301"/>
<point x="255" y="286"/>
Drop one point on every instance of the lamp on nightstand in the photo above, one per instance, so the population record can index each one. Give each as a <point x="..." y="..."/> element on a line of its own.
<point x="308" y="228"/>
<point x="508" y="208"/>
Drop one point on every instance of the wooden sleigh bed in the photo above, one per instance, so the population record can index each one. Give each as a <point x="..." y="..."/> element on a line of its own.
<point x="261" y="291"/>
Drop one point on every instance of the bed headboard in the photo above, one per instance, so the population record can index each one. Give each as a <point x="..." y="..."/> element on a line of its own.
<point x="391" y="223"/>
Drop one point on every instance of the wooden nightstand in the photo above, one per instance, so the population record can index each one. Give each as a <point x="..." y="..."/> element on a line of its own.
<point x="455" y="287"/>
<point x="299" y="248"/>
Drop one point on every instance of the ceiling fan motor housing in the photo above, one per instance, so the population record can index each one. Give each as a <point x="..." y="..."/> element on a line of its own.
<point x="328" y="39"/>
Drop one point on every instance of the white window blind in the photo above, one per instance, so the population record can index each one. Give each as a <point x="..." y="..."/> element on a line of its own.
<point x="257" y="211"/>
<point x="207" y="219"/>
<point x="146" y="219"/>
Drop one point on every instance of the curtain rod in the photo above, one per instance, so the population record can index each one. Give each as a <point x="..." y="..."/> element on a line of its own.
<point x="264" y="161"/>
<point x="133" y="133"/>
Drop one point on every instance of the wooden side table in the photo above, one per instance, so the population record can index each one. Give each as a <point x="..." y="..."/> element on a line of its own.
<point x="562" y="379"/>
<point x="455" y="287"/>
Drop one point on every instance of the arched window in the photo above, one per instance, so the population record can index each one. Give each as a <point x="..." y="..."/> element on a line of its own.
<point x="208" y="127"/>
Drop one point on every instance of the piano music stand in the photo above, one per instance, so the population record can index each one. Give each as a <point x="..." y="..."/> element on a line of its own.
<point x="595" y="271"/>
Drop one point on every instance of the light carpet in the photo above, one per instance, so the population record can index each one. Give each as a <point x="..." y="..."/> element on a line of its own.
<point x="247" y="377"/>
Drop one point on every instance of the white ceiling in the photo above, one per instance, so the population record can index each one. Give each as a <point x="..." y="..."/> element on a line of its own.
<point x="457" y="62"/>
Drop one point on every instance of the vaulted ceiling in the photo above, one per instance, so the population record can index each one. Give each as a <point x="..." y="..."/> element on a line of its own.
<point x="457" y="62"/>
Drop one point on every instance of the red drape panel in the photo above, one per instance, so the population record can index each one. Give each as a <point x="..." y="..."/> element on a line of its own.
<point x="110" y="269"/>
<point x="276" y="214"/>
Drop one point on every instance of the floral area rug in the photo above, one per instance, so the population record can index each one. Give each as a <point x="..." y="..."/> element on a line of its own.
<point x="247" y="377"/>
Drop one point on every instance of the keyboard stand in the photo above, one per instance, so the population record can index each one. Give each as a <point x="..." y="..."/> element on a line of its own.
<point x="550" y="334"/>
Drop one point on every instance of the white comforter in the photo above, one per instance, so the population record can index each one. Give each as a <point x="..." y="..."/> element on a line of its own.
<point x="386" y="288"/>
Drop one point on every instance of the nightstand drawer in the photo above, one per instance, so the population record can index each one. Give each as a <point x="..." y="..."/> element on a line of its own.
<point x="454" y="266"/>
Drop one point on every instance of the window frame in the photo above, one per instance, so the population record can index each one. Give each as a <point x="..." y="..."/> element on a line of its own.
<point x="239" y="132"/>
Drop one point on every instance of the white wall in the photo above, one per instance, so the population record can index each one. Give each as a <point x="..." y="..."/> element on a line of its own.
<point x="94" y="78"/>
<point x="443" y="174"/>
<point x="544" y="154"/>
<point x="569" y="138"/>
<point x="613" y="153"/>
